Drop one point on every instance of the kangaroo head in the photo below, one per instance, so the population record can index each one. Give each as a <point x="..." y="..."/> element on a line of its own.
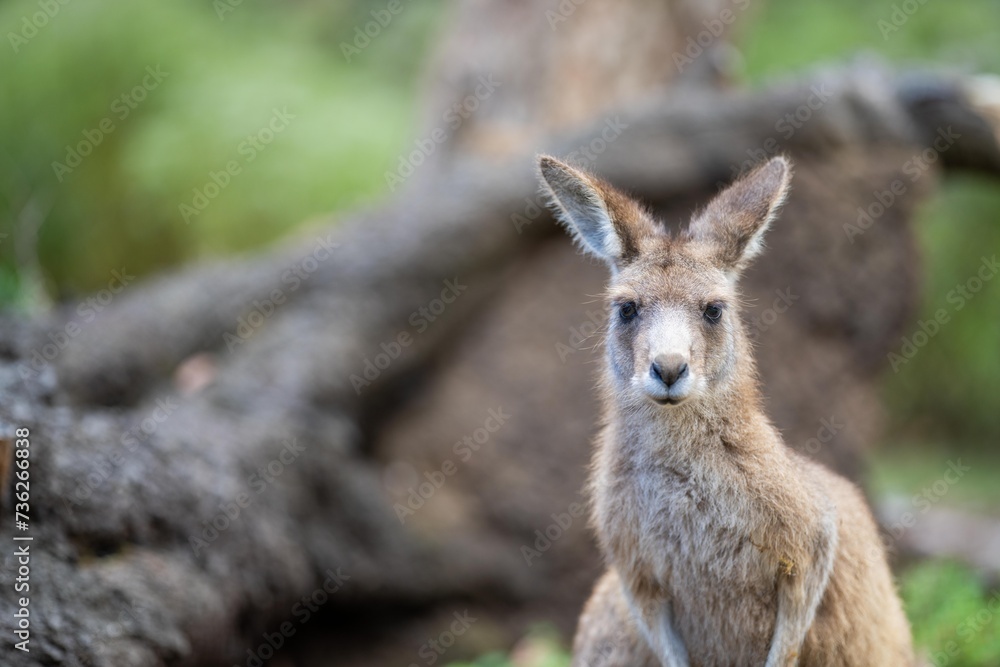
<point x="674" y="332"/>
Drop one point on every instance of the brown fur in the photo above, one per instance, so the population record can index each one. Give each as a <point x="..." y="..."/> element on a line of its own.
<point x="724" y="546"/>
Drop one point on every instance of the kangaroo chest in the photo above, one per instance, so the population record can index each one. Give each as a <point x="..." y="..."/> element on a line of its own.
<point x="688" y="537"/>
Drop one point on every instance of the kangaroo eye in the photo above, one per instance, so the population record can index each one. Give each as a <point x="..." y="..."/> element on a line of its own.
<point x="713" y="312"/>
<point x="628" y="311"/>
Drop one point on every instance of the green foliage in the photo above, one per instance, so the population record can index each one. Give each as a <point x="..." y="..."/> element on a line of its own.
<point x="785" y="35"/>
<point x="224" y="79"/>
<point x="954" y="619"/>
<point x="949" y="386"/>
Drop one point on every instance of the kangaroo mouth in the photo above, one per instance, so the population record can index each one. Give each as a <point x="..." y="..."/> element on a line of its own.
<point x="674" y="394"/>
<point x="669" y="400"/>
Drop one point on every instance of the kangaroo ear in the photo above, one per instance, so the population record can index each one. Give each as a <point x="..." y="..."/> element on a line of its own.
<point x="735" y="221"/>
<point x="603" y="220"/>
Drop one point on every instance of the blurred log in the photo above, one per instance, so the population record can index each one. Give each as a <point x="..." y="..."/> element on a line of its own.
<point x="127" y="471"/>
<point x="558" y="64"/>
<point x="943" y="533"/>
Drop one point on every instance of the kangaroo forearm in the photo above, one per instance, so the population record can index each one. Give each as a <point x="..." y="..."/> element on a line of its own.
<point x="664" y="640"/>
<point x="654" y="620"/>
<point x="800" y="592"/>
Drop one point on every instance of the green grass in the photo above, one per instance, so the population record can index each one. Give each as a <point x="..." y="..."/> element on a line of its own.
<point x="955" y="619"/>
<point x="541" y="648"/>
<point x="121" y="205"/>
<point x="952" y="610"/>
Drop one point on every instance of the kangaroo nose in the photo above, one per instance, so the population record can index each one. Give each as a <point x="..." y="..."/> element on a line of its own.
<point x="668" y="368"/>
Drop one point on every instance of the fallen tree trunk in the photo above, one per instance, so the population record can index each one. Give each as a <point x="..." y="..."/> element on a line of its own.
<point x="225" y="440"/>
<point x="943" y="533"/>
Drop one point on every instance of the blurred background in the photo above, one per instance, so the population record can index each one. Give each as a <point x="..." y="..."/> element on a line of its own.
<point x="162" y="97"/>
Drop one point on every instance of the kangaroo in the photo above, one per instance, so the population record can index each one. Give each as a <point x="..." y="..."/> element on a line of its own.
<point x="724" y="546"/>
